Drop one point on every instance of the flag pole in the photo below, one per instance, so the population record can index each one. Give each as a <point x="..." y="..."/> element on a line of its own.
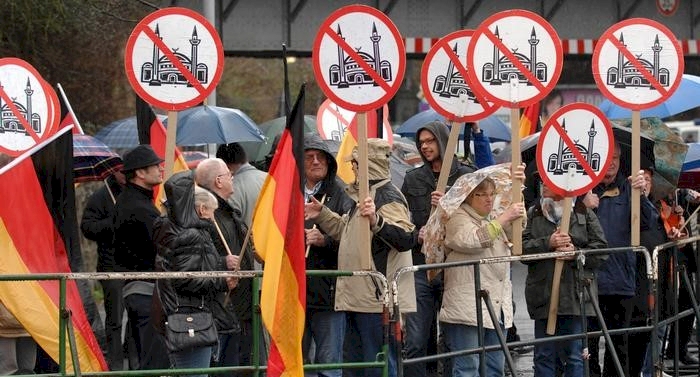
<point x="70" y="109"/>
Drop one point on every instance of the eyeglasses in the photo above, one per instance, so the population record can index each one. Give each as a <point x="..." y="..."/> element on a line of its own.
<point x="421" y="143"/>
<point x="489" y="195"/>
<point x="310" y="157"/>
<point x="227" y="174"/>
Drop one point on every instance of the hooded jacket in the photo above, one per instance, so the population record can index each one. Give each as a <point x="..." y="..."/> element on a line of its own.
<point x="392" y="236"/>
<point x="320" y="290"/>
<point x="183" y="242"/>
<point x="421" y="181"/>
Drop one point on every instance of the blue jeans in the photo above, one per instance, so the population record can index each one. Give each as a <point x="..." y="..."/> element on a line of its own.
<point x="364" y="340"/>
<point x="546" y="354"/>
<point x="192" y="358"/>
<point x="648" y="368"/>
<point x="326" y="328"/>
<point x="237" y="349"/>
<point x="462" y="337"/>
<point x="418" y="324"/>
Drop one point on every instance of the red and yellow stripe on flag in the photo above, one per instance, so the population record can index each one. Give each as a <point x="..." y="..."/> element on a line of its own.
<point x="278" y="234"/>
<point x="32" y="241"/>
<point x="529" y="119"/>
<point x="349" y="142"/>
<point x="152" y="131"/>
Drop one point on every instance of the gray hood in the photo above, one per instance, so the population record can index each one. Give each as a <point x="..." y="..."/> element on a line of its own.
<point x="442" y="134"/>
<point x="179" y="190"/>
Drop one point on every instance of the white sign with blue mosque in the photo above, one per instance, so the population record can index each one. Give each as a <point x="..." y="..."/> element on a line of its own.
<point x="444" y="81"/>
<point x="359" y="58"/>
<point x="174" y="57"/>
<point x="637" y="63"/>
<point x="515" y="58"/>
<point x="30" y="105"/>
<point x="579" y="137"/>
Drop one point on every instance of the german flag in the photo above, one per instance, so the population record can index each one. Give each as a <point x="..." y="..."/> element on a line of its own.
<point x="529" y="119"/>
<point x="278" y="234"/>
<point x="350" y="141"/>
<point x="39" y="234"/>
<point x="152" y="131"/>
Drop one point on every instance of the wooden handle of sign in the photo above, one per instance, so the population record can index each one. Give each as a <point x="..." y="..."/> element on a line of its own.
<point x="221" y="237"/>
<point x="450" y="150"/>
<point x="558" y="267"/>
<point x="363" y="179"/>
<point x="170" y="137"/>
<point x="636" y="151"/>
<point x="517" y="238"/>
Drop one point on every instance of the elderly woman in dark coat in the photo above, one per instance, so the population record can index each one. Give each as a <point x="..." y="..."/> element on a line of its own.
<point x="184" y="243"/>
<point x="542" y="235"/>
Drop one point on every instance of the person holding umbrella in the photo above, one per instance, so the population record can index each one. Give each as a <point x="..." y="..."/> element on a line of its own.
<point x="542" y="235"/>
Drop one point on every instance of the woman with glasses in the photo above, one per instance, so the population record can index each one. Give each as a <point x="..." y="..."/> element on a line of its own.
<point x="478" y="223"/>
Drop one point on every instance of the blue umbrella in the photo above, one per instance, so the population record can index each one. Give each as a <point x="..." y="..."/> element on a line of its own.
<point x="493" y="127"/>
<point x="686" y="97"/>
<point x="121" y="133"/>
<point x="215" y="125"/>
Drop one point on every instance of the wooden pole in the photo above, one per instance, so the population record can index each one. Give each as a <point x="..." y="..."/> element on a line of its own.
<point x="170" y="138"/>
<point x="308" y="247"/>
<point x="516" y="194"/>
<point x="448" y="157"/>
<point x="559" y="264"/>
<point x="364" y="238"/>
<point x="636" y="150"/>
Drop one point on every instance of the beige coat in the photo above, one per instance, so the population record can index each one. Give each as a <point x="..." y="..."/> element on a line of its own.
<point x="359" y="293"/>
<point x="467" y="239"/>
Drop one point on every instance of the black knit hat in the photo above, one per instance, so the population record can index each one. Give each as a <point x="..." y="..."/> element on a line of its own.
<point x="140" y="157"/>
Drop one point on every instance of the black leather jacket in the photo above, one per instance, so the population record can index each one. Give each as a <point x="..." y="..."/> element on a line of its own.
<point x="184" y="243"/>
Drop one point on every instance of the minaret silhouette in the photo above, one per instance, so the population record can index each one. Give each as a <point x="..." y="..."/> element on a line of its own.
<point x="29" y="91"/>
<point x="657" y="49"/>
<point x="194" y="41"/>
<point x="343" y="83"/>
<point x="533" y="53"/>
<point x="375" y="45"/>
<point x="155" y="79"/>
<point x="448" y="76"/>
<point x="620" y="64"/>
<point x="496" y="80"/>
<point x="2" y="123"/>
<point x="591" y="134"/>
<point x="558" y="169"/>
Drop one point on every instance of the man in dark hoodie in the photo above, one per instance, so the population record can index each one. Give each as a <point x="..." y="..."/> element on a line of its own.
<point x="419" y="188"/>
<point x="324" y="326"/>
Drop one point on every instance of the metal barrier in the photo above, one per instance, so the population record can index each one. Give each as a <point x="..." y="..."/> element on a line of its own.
<point x="652" y="274"/>
<point x="66" y="330"/>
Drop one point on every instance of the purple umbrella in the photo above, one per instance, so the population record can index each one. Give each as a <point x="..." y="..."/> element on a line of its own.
<point x="93" y="160"/>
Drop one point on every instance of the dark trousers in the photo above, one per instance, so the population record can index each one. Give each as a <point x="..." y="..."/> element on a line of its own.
<point x="149" y="343"/>
<point x="617" y="312"/>
<point x="685" y="325"/>
<point x="114" y="310"/>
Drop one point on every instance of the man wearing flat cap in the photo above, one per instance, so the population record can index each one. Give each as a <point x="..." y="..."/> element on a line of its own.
<point x="134" y="213"/>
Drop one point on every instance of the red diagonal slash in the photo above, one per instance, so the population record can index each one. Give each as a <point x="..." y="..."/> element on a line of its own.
<point x="572" y="147"/>
<point x="173" y="59"/>
<point x="339" y="116"/>
<point x="18" y="115"/>
<point x="513" y="59"/>
<point x="358" y="59"/>
<point x="463" y="71"/>
<point x="637" y="64"/>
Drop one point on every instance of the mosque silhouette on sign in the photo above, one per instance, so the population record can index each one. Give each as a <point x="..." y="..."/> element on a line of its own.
<point x="627" y="74"/>
<point x="559" y="162"/>
<point x="9" y="121"/>
<point x="501" y="70"/>
<point x="162" y="71"/>
<point x="347" y="72"/>
<point x="452" y="84"/>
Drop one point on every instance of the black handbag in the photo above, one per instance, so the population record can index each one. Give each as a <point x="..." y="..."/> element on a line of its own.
<point x="190" y="328"/>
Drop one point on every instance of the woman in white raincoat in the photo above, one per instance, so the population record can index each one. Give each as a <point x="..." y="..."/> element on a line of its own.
<point x="472" y="222"/>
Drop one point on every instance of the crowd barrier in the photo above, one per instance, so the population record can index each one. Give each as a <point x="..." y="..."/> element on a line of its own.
<point x="651" y="264"/>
